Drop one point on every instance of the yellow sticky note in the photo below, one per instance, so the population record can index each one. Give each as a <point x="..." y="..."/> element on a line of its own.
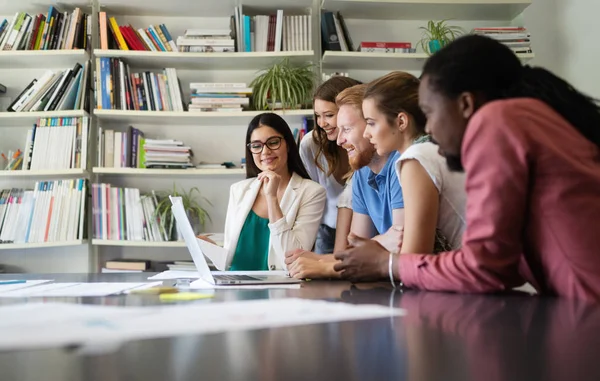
<point x="184" y="296"/>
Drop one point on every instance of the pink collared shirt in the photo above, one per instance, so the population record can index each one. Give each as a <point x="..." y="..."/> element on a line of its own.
<point x="533" y="208"/>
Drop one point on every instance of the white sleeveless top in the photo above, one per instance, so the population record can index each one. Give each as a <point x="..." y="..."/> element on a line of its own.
<point x="450" y="185"/>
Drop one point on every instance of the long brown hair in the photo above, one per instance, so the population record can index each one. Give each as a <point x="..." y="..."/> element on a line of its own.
<point x="398" y="92"/>
<point x="327" y="91"/>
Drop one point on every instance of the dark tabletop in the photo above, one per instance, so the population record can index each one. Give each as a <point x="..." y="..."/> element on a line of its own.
<point x="512" y="336"/>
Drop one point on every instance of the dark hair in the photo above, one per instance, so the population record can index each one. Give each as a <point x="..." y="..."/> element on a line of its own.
<point x="269" y="119"/>
<point x="398" y="92"/>
<point x="491" y="70"/>
<point x="327" y="91"/>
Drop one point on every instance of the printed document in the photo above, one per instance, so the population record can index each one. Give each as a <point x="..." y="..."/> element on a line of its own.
<point x="75" y="289"/>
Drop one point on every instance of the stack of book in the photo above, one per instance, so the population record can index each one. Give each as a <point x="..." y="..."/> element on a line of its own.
<point x="132" y="150"/>
<point x="219" y="97"/>
<point x="122" y="265"/>
<point x="386" y="47"/>
<point x="271" y="33"/>
<point x="54" y="30"/>
<point x="52" y="212"/>
<point x="125" y="37"/>
<point x="126" y="214"/>
<point x="518" y="39"/>
<point x="62" y="90"/>
<point x="206" y="40"/>
<point x="56" y="143"/>
<point x="120" y="89"/>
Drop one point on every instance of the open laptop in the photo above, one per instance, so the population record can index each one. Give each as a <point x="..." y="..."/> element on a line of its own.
<point x="195" y="250"/>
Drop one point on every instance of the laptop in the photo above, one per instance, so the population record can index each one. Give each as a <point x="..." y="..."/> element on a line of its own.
<point x="195" y="250"/>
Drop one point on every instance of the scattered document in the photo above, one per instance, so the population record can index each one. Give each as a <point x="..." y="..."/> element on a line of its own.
<point x="75" y="289"/>
<point x="177" y="274"/>
<point x="18" y="286"/>
<point x="36" y="325"/>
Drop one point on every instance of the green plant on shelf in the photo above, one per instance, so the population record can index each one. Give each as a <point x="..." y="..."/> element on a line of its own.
<point x="192" y="203"/>
<point x="283" y="86"/>
<point x="438" y="34"/>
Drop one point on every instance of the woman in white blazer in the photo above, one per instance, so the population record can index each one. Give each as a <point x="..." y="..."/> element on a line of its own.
<point x="277" y="208"/>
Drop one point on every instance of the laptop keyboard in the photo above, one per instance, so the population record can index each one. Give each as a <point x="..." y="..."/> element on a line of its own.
<point x="234" y="277"/>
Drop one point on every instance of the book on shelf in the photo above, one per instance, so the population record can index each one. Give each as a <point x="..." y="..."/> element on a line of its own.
<point x="334" y="33"/>
<point x="518" y="39"/>
<point x="52" y="31"/>
<point x="219" y="97"/>
<point x="117" y="88"/>
<point x="53" y="211"/>
<point x="135" y="265"/>
<point x="56" y="143"/>
<point x="386" y="47"/>
<point x="155" y="38"/>
<point x="127" y="214"/>
<point x="308" y="124"/>
<point x="131" y="149"/>
<point x="61" y="90"/>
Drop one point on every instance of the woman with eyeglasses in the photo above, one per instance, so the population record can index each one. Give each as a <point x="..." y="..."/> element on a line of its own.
<point x="277" y="208"/>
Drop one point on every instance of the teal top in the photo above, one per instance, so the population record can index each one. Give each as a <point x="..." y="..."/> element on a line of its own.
<point x="252" y="251"/>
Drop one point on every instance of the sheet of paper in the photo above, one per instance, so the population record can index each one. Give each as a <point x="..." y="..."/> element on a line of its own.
<point x="171" y="274"/>
<point x="201" y="284"/>
<point x="36" y="325"/>
<point x="215" y="253"/>
<point x="76" y="289"/>
<point x="18" y="286"/>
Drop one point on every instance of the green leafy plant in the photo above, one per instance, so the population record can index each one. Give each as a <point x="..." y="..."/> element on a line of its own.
<point x="283" y="86"/>
<point x="437" y="34"/>
<point x="191" y="201"/>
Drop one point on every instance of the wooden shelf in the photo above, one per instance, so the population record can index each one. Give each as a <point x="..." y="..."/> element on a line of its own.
<point x="102" y="242"/>
<point x="168" y="172"/>
<point x="382" y="61"/>
<point x="185" y="117"/>
<point x="196" y="61"/>
<point x="12" y="246"/>
<point x="428" y="9"/>
<point x="26" y="119"/>
<point x="42" y="59"/>
<point x="50" y="173"/>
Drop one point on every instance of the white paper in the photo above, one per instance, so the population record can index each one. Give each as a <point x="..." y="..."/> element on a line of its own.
<point x="76" y="289"/>
<point x="18" y="286"/>
<point x="177" y="274"/>
<point x="201" y="284"/>
<point x="215" y="253"/>
<point x="37" y="325"/>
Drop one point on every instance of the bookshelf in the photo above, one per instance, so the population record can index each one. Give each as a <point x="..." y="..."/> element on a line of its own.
<point x="213" y="136"/>
<point x="428" y="9"/>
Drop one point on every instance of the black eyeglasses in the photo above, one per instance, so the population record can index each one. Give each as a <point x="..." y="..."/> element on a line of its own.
<point x="273" y="144"/>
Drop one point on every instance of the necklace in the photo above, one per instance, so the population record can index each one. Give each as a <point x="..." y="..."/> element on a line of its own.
<point x="422" y="139"/>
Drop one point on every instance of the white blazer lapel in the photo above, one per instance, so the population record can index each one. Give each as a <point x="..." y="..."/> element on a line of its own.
<point x="290" y="195"/>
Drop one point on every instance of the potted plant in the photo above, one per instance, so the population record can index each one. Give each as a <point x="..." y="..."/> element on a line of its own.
<point x="191" y="201"/>
<point x="283" y="86"/>
<point x="437" y="34"/>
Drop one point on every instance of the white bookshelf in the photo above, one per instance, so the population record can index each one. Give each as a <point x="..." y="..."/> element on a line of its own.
<point x="167" y="244"/>
<point x="205" y="61"/>
<point x="57" y="174"/>
<point x="186" y="117"/>
<point x="382" y="61"/>
<point x="428" y="9"/>
<point x="168" y="172"/>
<point x="27" y="119"/>
<point x="41" y="245"/>
<point x="47" y="59"/>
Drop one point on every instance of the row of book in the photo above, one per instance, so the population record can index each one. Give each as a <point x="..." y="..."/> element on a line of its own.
<point x="126" y="214"/>
<point x="518" y="39"/>
<point x="125" y="37"/>
<point x="53" y="211"/>
<point x="54" y="30"/>
<point x="56" y="143"/>
<point x="219" y="97"/>
<point x="60" y="90"/>
<point x="131" y="149"/>
<point x="308" y="124"/>
<point x="118" y="88"/>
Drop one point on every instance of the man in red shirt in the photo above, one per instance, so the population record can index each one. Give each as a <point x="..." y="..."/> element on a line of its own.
<point x="530" y="147"/>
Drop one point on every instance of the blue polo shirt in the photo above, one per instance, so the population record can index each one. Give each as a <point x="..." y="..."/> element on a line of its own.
<point x="377" y="195"/>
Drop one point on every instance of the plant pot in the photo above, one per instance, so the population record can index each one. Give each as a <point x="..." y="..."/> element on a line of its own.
<point x="435" y="45"/>
<point x="194" y="221"/>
